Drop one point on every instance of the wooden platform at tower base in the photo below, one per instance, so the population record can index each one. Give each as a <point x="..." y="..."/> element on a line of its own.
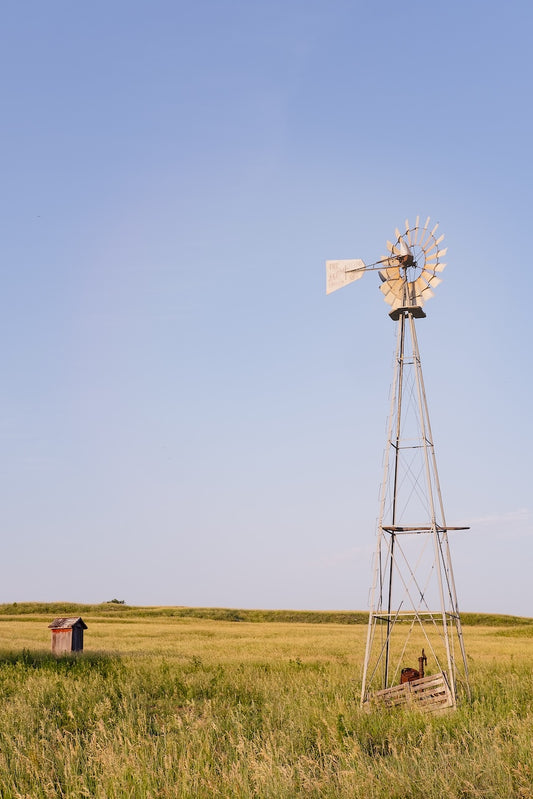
<point x="430" y="694"/>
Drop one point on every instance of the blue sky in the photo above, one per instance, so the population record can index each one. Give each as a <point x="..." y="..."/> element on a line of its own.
<point x="185" y="417"/>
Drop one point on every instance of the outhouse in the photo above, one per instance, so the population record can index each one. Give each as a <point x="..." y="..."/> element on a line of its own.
<point x="67" y="635"/>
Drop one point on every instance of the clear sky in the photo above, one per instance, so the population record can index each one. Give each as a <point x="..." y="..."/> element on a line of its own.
<point x="185" y="417"/>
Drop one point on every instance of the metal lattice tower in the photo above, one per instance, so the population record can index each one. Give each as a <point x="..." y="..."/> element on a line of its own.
<point x="413" y="604"/>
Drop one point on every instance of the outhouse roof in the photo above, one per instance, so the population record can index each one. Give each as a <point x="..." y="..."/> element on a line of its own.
<point x="66" y="623"/>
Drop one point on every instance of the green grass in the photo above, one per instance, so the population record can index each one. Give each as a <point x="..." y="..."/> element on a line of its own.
<point x="164" y="705"/>
<point x="116" y="609"/>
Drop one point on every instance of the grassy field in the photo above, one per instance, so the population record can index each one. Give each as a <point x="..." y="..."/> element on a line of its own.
<point x="165" y="703"/>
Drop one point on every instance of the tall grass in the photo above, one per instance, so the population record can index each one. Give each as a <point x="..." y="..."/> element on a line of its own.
<point x="267" y="711"/>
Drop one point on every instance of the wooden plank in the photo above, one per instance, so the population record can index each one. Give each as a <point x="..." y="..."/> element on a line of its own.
<point x="430" y="694"/>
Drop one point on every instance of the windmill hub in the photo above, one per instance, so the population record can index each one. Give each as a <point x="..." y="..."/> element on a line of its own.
<point x="405" y="256"/>
<point x="407" y="260"/>
<point x="412" y="264"/>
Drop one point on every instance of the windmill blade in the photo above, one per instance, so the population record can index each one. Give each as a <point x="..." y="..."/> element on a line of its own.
<point x="340" y="273"/>
<point x="388" y="295"/>
<point x="389" y="261"/>
<point x="393" y="287"/>
<point x="433" y="245"/>
<point x="385" y="289"/>
<point x="397" y="287"/>
<point x="435" y="267"/>
<point x="442" y="253"/>
<point x="412" y="233"/>
<point x="390" y="273"/>
<point x="430" y="278"/>
<point x="424" y="244"/>
<point x="431" y="262"/>
<point x="430" y="236"/>
<point x="390" y="276"/>
<point x="392" y="248"/>
<point x="424" y="290"/>
<point x="421" y="233"/>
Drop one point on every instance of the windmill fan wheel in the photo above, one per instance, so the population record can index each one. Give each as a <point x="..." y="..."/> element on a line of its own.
<point x="412" y="267"/>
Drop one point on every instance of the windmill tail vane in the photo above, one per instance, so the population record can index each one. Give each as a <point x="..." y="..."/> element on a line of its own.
<point x="413" y="604"/>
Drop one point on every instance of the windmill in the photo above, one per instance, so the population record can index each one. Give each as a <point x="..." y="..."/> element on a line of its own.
<point x="414" y="614"/>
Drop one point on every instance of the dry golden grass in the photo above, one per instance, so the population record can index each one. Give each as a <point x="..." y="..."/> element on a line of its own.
<point x="178" y="707"/>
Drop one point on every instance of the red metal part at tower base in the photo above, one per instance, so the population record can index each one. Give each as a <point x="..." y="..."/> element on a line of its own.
<point x="408" y="675"/>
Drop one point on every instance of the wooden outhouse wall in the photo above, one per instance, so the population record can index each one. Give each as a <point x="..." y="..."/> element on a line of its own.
<point x="77" y="639"/>
<point x="62" y="641"/>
